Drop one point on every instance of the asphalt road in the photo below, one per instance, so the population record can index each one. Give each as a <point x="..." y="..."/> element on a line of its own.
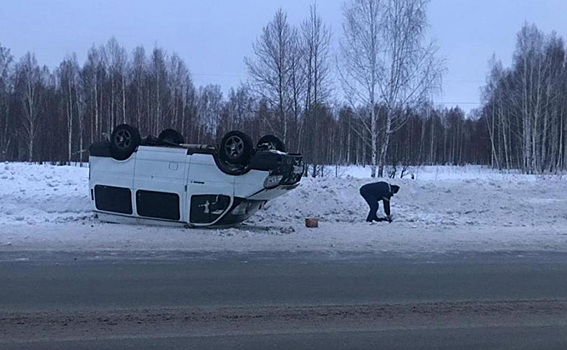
<point x="172" y="300"/>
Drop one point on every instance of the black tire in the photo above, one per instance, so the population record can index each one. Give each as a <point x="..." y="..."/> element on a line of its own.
<point x="123" y="141"/>
<point x="271" y="142"/>
<point x="236" y="147"/>
<point x="171" y="136"/>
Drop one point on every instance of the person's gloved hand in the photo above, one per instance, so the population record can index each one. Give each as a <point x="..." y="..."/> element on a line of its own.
<point x="389" y="218"/>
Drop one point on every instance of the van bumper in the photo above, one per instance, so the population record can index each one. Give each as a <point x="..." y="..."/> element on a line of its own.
<point x="287" y="168"/>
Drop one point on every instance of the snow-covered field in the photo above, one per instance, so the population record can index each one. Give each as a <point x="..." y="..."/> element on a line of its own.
<point x="441" y="209"/>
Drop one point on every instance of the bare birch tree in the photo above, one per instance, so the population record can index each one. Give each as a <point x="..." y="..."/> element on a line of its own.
<point x="139" y="86"/>
<point x="240" y="110"/>
<point x="209" y="107"/>
<point x="117" y="71"/>
<point x="409" y="68"/>
<point x="360" y="66"/>
<point x="5" y="90"/>
<point x="316" y="38"/>
<point x="385" y="61"/>
<point x="270" y="70"/>
<point x="158" y="91"/>
<point x="178" y="82"/>
<point x="30" y="82"/>
<point x="68" y="81"/>
<point x="93" y="75"/>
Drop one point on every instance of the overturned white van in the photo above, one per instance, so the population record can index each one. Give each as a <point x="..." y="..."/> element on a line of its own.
<point x="165" y="181"/>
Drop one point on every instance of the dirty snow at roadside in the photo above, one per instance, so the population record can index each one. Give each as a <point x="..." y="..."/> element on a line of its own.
<point x="441" y="209"/>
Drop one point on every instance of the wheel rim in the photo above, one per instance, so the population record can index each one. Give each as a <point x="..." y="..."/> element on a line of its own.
<point x="234" y="147"/>
<point x="123" y="139"/>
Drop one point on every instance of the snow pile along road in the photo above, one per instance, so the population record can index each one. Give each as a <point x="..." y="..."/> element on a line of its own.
<point x="37" y="194"/>
<point x="442" y="209"/>
<point x="472" y="202"/>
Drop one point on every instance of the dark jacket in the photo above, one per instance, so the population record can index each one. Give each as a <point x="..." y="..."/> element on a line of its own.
<point x="379" y="191"/>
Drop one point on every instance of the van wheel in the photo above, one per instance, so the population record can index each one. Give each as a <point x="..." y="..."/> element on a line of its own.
<point x="171" y="136"/>
<point x="236" y="147"/>
<point x="271" y="142"/>
<point x="123" y="141"/>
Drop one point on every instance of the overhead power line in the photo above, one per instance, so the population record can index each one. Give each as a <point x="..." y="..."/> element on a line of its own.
<point x="457" y="103"/>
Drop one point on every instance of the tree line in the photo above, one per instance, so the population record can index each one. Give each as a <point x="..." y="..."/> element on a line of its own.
<point x="525" y="107"/>
<point x="384" y="68"/>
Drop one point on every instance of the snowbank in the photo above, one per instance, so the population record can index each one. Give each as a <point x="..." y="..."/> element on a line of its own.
<point x="442" y="209"/>
<point x="32" y="194"/>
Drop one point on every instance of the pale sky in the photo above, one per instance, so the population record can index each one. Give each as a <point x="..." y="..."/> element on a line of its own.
<point x="214" y="36"/>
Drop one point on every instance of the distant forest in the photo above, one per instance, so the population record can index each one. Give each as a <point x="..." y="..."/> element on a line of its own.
<point x="383" y="67"/>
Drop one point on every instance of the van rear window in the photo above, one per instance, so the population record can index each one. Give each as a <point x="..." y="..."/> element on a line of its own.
<point x="114" y="199"/>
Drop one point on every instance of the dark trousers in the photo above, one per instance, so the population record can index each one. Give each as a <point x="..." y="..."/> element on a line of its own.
<point x="372" y="203"/>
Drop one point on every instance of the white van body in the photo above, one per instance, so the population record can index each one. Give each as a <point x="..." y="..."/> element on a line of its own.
<point x="186" y="185"/>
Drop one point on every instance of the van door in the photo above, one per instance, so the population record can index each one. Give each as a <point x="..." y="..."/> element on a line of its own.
<point x="211" y="192"/>
<point x="159" y="183"/>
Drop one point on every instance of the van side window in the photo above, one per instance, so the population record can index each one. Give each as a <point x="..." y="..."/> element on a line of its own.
<point x="114" y="199"/>
<point x="161" y="205"/>
<point x="207" y="208"/>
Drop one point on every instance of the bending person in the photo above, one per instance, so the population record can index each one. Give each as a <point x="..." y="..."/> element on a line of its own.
<point x="375" y="192"/>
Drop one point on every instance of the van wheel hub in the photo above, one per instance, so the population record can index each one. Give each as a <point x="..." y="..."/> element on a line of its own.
<point x="234" y="146"/>
<point x="123" y="139"/>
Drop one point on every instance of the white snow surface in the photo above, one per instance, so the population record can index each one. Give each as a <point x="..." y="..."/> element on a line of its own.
<point x="443" y="209"/>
